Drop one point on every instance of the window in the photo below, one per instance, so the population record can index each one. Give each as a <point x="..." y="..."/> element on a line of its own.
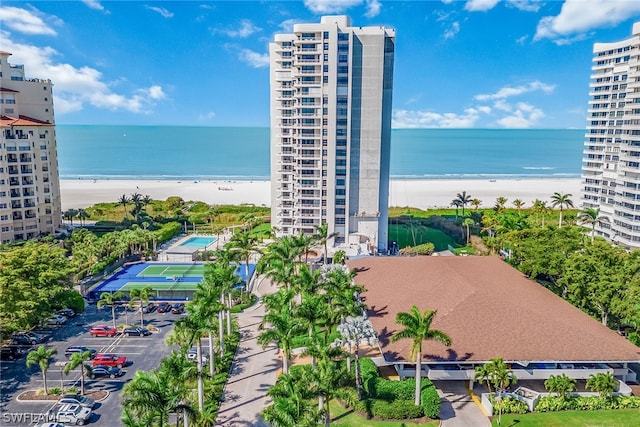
<point x="340" y="221"/>
<point x="343" y="58"/>
<point x="325" y="35"/>
<point x="341" y="192"/>
<point x="343" y="69"/>
<point x="340" y="211"/>
<point x="341" y="202"/>
<point x="341" y="152"/>
<point x="343" y="36"/>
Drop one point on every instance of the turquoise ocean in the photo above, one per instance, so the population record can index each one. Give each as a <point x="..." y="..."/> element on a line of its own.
<point x="174" y="152"/>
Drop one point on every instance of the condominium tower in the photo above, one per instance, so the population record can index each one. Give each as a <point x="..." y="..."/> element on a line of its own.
<point x="29" y="182"/>
<point x="331" y="88"/>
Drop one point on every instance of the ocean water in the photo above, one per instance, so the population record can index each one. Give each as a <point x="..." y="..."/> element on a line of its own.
<point x="174" y="152"/>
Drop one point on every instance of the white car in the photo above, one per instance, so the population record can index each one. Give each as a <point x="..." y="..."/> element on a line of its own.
<point x="192" y="355"/>
<point x="56" y="320"/>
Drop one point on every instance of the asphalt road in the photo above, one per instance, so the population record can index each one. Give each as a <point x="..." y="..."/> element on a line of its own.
<point x="143" y="353"/>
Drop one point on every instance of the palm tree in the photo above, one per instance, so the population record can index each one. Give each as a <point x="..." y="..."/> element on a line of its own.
<point x="356" y="331"/>
<point x="500" y="203"/>
<point x="195" y="325"/>
<point x="540" y="207"/>
<point x="464" y="200"/>
<point x="518" y="204"/>
<point x="457" y="204"/>
<point x="141" y="295"/>
<point x="70" y="214"/>
<point x="563" y="201"/>
<point x="323" y="236"/>
<point x="243" y="245"/>
<point x="592" y="217"/>
<point x="124" y="201"/>
<point x="283" y="327"/>
<point x="603" y="383"/>
<point x="560" y="384"/>
<point x="468" y="222"/>
<point x="291" y="405"/>
<point x="41" y="357"/>
<point x="475" y="203"/>
<point x="110" y="299"/>
<point x="78" y="359"/>
<point x="417" y="328"/>
<point x="499" y="375"/>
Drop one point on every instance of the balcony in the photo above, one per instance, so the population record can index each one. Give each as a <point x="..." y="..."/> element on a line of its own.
<point x="26" y="169"/>
<point x="14" y="182"/>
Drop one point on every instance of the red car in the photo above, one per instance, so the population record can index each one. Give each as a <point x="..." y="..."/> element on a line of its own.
<point x="109" y="359"/>
<point x="103" y="331"/>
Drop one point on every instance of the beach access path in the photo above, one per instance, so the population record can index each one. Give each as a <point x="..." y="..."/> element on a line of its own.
<point x="253" y="370"/>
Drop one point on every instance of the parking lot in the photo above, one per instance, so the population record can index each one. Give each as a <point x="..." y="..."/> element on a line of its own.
<point x="142" y="353"/>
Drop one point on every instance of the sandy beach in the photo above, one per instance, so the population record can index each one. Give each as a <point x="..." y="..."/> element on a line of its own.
<point x="423" y="193"/>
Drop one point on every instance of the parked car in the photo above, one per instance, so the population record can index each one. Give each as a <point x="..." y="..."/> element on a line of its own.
<point x="72" y="414"/>
<point x="67" y="312"/>
<point x="102" y="331"/>
<point x="109" y="359"/>
<point x="77" y="399"/>
<point x="11" y="352"/>
<point x="138" y="332"/>
<point x="177" y="308"/>
<point x="56" y="320"/>
<point x="192" y="355"/>
<point x="104" y="371"/>
<point x="79" y="349"/>
<point x="163" y="307"/>
<point x="148" y="308"/>
<point x="49" y="425"/>
<point x="28" y="338"/>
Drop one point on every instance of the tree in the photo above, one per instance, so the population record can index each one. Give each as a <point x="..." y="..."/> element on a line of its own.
<point x="291" y="405"/>
<point x="243" y="245"/>
<point x="83" y="215"/>
<point x="476" y="204"/>
<point x="195" y="325"/>
<point x="500" y="203"/>
<point x="323" y="236"/>
<point x="40" y="357"/>
<point x="78" y="359"/>
<point x="417" y="328"/>
<point x="457" y="204"/>
<point x="540" y="207"/>
<point x="603" y="383"/>
<point x="563" y="201"/>
<point x="141" y="295"/>
<point x="110" y="299"/>
<point x="356" y="331"/>
<point x="518" y="204"/>
<point x="562" y="385"/>
<point x="464" y="200"/>
<point x="468" y="222"/>
<point x="283" y="327"/>
<point x="591" y="217"/>
<point x="124" y="201"/>
<point x="70" y="214"/>
<point x="499" y="375"/>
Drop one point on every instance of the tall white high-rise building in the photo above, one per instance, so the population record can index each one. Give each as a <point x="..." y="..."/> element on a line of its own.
<point x="331" y="89"/>
<point x="29" y="181"/>
<point x="611" y="163"/>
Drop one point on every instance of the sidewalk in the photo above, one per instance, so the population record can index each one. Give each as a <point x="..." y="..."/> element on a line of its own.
<point x="253" y="370"/>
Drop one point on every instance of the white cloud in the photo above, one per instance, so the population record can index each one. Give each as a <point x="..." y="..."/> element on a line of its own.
<point x="330" y="6"/>
<point x="255" y="59"/>
<point x="524" y="116"/>
<point x="509" y="91"/>
<point x="94" y="4"/>
<point x="525" y="5"/>
<point x="209" y="115"/>
<point x="452" y="31"/>
<point x="165" y="13"/>
<point x="245" y="30"/>
<point x="24" y="21"/>
<point x="429" y="119"/>
<point x="578" y="17"/>
<point x="76" y="87"/>
<point x="373" y="8"/>
<point x="521" y="40"/>
<point x="287" y="25"/>
<point x="480" y="5"/>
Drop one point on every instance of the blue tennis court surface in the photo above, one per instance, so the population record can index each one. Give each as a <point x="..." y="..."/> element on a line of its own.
<point x="168" y="280"/>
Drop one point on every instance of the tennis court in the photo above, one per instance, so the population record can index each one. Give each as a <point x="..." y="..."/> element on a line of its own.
<point x="169" y="281"/>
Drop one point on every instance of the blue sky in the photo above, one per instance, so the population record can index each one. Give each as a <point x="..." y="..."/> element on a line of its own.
<point x="461" y="64"/>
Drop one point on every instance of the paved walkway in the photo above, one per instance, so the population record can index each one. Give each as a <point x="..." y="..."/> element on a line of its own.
<point x="457" y="408"/>
<point x="252" y="373"/>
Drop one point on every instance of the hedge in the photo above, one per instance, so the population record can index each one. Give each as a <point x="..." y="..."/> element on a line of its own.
<point x="509" y="405"/>
<point x="167" y="231"/>
<point x="586" y="403"/>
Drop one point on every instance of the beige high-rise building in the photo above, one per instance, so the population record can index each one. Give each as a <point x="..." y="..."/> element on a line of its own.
<point x="331" y="90"/>
<point x="611" y="159"/>
<point x="29" y="181"/>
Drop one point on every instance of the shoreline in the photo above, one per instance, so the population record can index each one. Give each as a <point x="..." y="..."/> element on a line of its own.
<point x="420" y="193"/>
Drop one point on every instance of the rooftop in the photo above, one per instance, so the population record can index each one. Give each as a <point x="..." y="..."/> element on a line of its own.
<point x="7" y="121"/>
<point x="488" y="308"/>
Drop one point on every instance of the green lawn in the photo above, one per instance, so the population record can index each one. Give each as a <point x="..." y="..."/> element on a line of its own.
<point x="402" y="234"/>
<point x="614" y="418"/>
<point x="343" y="417"/>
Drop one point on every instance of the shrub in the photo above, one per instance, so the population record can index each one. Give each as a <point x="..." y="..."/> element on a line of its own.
<point x="423" y="249"/>
<point x="55" y="390"/>
<point x="586" y="403"/>
<point x="395" y="410"/>
<point x="429" y="400"/>
<point x="167" y="231"/>
<point x="391" y="390"/>
<point x="369" y="374"/>
<point x="509" y="405"/>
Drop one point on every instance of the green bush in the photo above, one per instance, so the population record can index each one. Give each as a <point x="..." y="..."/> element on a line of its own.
<point x="369" y="374"/>
<point x="423" y="249"/>
<point x="586" y="403"/>
<point x="392" y="390"/>
<point x="167" y="231"/>
<point x="509" y="405"/>
<point x="395" y="410"/>
<point x="429" y="400"/>
<point x="70" y="299"/>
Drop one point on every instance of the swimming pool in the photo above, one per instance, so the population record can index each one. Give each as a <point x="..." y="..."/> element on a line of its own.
<point x="198" y="242"/>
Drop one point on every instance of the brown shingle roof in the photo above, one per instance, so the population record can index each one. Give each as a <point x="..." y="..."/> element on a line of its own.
<point x="488" y="308"/>
<point x="6" y="121"/>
